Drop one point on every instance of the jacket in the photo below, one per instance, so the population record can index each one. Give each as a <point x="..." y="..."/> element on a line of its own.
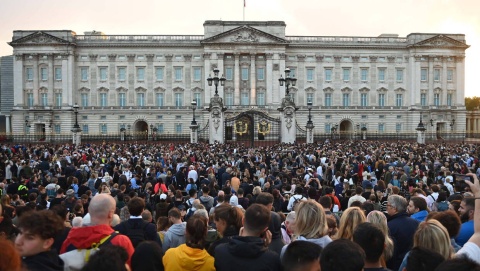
<point x="174" y="237"/>
<point x="401" y="228"/>
<point x="245" y="253"/>
<point x="184" y="258"/>
<point x="129" y="226"/>
<point x="322" y="242"/>
<point x="420" y="216"/>
<point x="44" y="261"/>
<point x="84" y="237"/>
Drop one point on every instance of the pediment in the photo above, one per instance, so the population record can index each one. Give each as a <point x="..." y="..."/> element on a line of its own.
<point x="39" y="38"/>
<point x="244" y="34"/>
<point x="197" y="89"/>
<point x="441" y="41"/>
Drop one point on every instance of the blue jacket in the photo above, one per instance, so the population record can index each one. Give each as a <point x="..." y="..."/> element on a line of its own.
<point x="402" y="228"/>
<point x="420" y="216"/>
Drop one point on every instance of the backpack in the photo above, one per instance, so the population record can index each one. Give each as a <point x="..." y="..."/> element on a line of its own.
<point x="206" y="204"/>
<point x="295" y="201"/>
<point x="135" y="233"/>
<point x="189" y="214"/>
<point x="75" y="259"/>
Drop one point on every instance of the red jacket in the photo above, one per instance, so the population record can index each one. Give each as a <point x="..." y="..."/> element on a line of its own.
<point x="84" y="237"/>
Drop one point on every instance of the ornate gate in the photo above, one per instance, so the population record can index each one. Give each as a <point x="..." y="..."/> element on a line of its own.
<point x="253" y="128"/>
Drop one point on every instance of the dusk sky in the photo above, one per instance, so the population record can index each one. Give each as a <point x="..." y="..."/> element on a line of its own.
<point x="303" y="17"/>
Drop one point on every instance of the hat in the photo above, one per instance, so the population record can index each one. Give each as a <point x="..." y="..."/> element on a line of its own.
<point x="181" y="207"/>
<point x="70" y="192"/>
<point x="234" y="200"/>
<point x="163" y="197"/>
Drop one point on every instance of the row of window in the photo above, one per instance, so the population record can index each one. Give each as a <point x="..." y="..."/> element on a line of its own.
<point x="436" y="74"/>
<point x="380" y="128"/>
<point x="381" y="99"/>
<point x="57" y="128"/>
<point x="43" y="74"/>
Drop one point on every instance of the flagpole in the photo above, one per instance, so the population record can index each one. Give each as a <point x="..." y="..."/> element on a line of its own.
<point x="244" y="4"/>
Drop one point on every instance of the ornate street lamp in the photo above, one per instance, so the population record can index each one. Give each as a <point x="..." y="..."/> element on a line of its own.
<point x="452" y="123"/>
<point x="194" y="106"/>
<point x="76" y="127"/>
<point x="309" y="122"/>
<point x="287" y="81"/>
<point x="215" y="80"/>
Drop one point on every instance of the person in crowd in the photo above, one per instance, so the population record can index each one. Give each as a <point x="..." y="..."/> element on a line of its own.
<point x="380" y="220"/>
<point x="350" y="219"/>
<point x="450" y="220"/>
<point x="401" y="228"/>
<point x="423" y="259"/>
<point x="37" y="232"/>
<point x="372" y="240"/>
<point x="417" y="208"/>
<point x="108" y="258"/>
<point x="148" y="257"/>
<point x="9" y="258"/>
<point x="248" y="251"/>
<point x="302" y="255"/>
<point x="276" y="242"/>
<point x="288" y="227"/>
<point x="333" y="256"/>
<point x="191" y="255"/>
<point x="228" y="221"/>
<point x="357" y="196"/>
<point x="467" y="216"/>
<point x="175" y="235"/>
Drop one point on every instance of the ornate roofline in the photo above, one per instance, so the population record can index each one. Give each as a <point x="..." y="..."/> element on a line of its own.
<point x="21" y="41"/>
<point x="246" y="41"/>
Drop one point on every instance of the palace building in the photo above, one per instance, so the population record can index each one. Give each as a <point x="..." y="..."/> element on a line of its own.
<point x="145" y="84"/>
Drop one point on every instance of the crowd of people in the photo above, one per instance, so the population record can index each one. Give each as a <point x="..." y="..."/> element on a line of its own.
<point x="336" y="205"/>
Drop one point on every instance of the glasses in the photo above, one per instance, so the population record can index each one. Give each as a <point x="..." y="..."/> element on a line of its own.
<point x="389" y="205"/>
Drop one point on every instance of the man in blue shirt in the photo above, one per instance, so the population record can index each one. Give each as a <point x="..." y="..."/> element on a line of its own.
<point x="133" y="182"/>
<point x="467" y="211"/>
<point x="417" y="208"/>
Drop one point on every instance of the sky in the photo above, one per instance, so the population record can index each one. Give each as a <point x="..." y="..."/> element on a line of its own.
<point x="368" y="18"/>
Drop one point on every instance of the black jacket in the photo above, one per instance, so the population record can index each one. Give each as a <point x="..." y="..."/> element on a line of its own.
<point x="44" y="261"/>
<point x="401" y="228"/>
<point x="246" y="253"/>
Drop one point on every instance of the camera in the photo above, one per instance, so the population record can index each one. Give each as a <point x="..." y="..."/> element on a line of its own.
<point x="459" y="180"/>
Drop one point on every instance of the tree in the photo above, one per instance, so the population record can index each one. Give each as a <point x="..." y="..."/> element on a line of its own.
<point x="472" y="102"/>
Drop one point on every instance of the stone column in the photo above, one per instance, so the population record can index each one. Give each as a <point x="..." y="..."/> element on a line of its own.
<point x="430" y="80"/>
<point x="51" y="75"/>
<point x="253" y="80"/>
<point x="420" y="132"/>
<point x="36" y="80"/>
<point x="208" y="73"/>
<point x="310" y="134"/>
<point x="271" y="83"/>
<point x="288" y="120"/>
<point x="236" y="79"/>
<point x="460" y="79"/>
<point x="7" y="124"/>
<point x="217" y="119"/>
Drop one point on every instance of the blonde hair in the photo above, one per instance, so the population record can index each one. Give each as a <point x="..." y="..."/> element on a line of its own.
<point x="433" y="235"/>
<point x="380" y="220"/>
<point x="350" y="219"/>
<point x="311" y="221"/>
<point x="257" y="190"/>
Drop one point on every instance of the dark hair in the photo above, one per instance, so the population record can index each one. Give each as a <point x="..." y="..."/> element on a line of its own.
<point x="371" y="239"/>
<point x="147" y="256"/>
<point x="205" y="190"/>
<point x="333" y="256"/>
<point x="44" y="223"/>
<point x="257" y="219"/>
<point x="192" y="192"/>
<point x="358" y="190"/>
<point x="356" y="203"/>
<point x="175" y="213"/>
<point x="459" y="263"/>
<point x="298" y="190"/>
<point x="136" y="206"/>
<point x="264" y="198"/>
<point x="367" y="207"/>
<point x="240" y="191"/>
<point x="231" y="215"/>
<point x="60" y="210"/>
<point x="196" y="231"/>
<point x="419" y="203"/>
<point x="450" y="220"/>
<point x="326" y="202"/>
<point x="108" y="258"/>
<point x="300" y="254"/>
<point x="470" y="202"/>
<point x="422" y="259"/>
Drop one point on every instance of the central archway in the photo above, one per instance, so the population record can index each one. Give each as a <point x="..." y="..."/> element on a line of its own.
<point x="346" y="129"/>
<point x="140" y="130"/>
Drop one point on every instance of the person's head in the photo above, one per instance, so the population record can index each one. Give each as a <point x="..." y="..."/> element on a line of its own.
<point x="350" y="219"/>
<point x="459" y="263"/>
<point x="256" y="220"/>
<point x="290" y="221"/>
<point x="38" y="229"/>
<point x="371" y="239"/>
<point x="467" y="209"/>
<point x="433" y="235"/>
<point x="332" y="225"/>
<point x="147" y="256"/>
<point x="9" y="258"/>
<point x="326" y="202"/>
<point x="227" y="216"/>
<point x="192" y="193"/>
<point x="333" y="256"/>
<point x="174" y="215"/>
<point x="378" y="219"/>
<point x="101" y="209"/>
<point x="416" y="204"/>
<point x="450" y="220"/>
<point x="266" y="199"/>
<point x="163" y="223"/>
<point x="396" y="204"/>
<point x="302" y="255"/>
<point x="423" y="259"/>
<point x="136" y="206"/>
<point x="358" y="190"/>
<point x="311" y="221"/>
<point x="108" y="258"/>
<point x="196" y="231"/>
<point x="147" y="216"/>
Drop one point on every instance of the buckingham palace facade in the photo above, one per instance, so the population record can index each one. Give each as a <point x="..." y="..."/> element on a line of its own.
<point x="140" y="83"/>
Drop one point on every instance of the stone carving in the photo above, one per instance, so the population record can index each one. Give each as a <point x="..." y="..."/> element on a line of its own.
<point x="355" y="59"/>
<point x="276" y="67"/>
<point x="245" y="36"/>
<point x="112" y="57"/>
<point x="319" y="58"/>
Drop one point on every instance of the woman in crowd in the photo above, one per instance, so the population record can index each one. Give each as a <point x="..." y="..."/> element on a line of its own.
<point x="379" y="219"/>
<point x="228" y="220"/>
<point x="350" y="219"/>
<point x="191" y="255"/>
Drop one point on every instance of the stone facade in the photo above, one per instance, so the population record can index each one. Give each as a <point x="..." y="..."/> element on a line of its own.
<point x="138" y="82"/>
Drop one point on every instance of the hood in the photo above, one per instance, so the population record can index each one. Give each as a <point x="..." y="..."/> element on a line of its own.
<point x="44" y="261"/>
<point x="192" y="258"/>
<point x="322" y="241"/>
<point x="84" y="237"/>
<point x="247" y="246"/>
<point x="178" y="229"/>
<point x="275" y="226"/>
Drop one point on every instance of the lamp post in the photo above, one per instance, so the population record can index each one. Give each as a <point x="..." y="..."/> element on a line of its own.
<point x="421" y="131"/>
<point x="358" y="130"/>
<point x="151" y="131"/>
<point x="309" y="123"/>
<point x="76" y="128"/>
<point x="452" y="123"/>
<point x="431" y="124"/>
<point x="287" y="81"/>
<point x="194" y="106"/>
<point x="215" y="80"/>
<point x="129" y="130"/>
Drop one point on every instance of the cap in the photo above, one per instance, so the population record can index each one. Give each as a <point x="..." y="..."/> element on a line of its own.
<point x="70" y="192"/>
<point x="163" y="196"/>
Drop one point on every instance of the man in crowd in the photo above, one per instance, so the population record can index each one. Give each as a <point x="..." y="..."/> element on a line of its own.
<point x="417" y="208"/>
